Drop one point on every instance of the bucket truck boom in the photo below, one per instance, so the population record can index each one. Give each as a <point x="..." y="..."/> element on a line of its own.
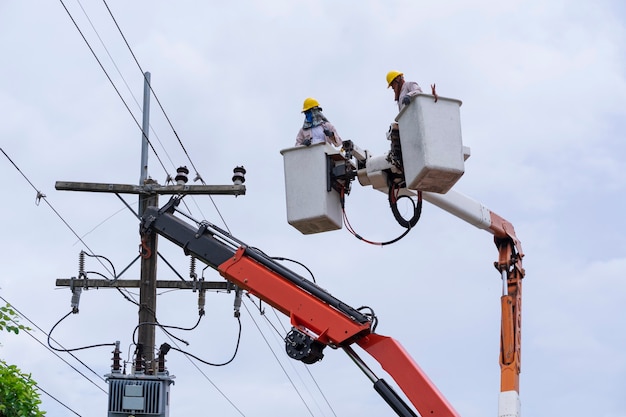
<point x="426" y="158"/>
<point x="318" y="318"/>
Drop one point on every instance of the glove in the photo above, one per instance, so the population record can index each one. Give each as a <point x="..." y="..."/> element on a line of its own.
<point x="306" y="142"/>
<point x="329" y="133"/>
<point x="406" y="100"/>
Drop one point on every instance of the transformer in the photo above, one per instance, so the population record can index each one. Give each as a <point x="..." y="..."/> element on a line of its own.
<point x="139" y="395"/>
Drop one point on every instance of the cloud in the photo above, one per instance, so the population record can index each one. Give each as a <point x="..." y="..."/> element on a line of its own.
<point x="543" y="90"/>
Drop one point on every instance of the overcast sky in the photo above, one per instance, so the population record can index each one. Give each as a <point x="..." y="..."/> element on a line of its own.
<point x="544" y="104"/>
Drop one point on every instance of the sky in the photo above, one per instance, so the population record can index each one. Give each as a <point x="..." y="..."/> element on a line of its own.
<point x="543" y="93"/>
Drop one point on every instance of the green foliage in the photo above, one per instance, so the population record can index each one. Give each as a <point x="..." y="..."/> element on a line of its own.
<point x="18" y="392"/>
<point x="8" y="320"/>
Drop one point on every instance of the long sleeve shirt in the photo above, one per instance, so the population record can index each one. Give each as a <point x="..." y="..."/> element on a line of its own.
<point x="316" y="135"/>
<point x="409" y="88"/>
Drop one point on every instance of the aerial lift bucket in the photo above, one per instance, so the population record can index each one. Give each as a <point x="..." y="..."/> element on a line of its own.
<point x="312" y="205"/>
<point x="433" y="156"/>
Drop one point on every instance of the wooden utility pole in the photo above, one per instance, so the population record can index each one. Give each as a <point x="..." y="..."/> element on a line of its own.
<point x="148" y="288"/>
<point x="148" y="191"/>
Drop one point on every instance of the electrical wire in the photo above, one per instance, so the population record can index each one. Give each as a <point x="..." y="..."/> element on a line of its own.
<point x="180" y="142"/>
<point x="277" y="360"/>
<point x="164" y="327"/>
<point x="198" y="176"/>
<point x="293" y="363"/>
<point x="41" y="196"/>
<point x="171" y="267"/>
<point x="102" y="222"/>
<point x="262" y="313"/>
<point x="56" y="354"/>
<point x="122" y="77"/>
<point x="153" y="93"/>
<point x="307" y="368"/>
<point x="105" y="258"/>
<point x="394" y="196"/>
<point x="56" y="399"/>
<point x="211" y="363"/>
<point x="409" y="224"/>
<point x="113" y="84"/>
<point x="36" y="385"/>
<point x="372" y="316"/>
<point x="195" y="365"/>
<point x="135" y="99"/>
<point x="73" y="349"/>
<point x="296" y="262"/>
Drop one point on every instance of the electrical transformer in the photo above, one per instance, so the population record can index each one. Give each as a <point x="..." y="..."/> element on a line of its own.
<point x="139" y="395"/>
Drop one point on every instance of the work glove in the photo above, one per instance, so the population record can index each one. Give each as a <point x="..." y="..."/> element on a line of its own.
<point x="406" y="100"/>
<point x="306" y="142"/>
<point x="329" y="133"/>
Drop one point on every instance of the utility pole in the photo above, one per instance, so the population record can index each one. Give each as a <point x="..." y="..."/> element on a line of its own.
<point x="148" y="191"/>
<point x="147" y="291"/>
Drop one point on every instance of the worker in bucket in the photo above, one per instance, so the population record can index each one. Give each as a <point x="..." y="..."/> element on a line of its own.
<point x="316" y="127"/>
<point x="404" y="90"/>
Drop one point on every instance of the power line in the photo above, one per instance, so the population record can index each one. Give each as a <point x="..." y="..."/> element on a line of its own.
<point x="155" y="96"/>
<point x="307" y="369"/>
<point x="51" y="351"/>
<point x="112" y="84"/>
<point x="269" y="323"/>
<point x="279" y="363"/>
<point x="198" y="176"/>
<point x="126" y="105"/>
<point x="56" y="399"/>
<point x="189" y="357"/>
<point x="42" y="196"/>
<point x="123" y="79"/>
<point x="47" y="393"/>
<point x="293" y="363"/>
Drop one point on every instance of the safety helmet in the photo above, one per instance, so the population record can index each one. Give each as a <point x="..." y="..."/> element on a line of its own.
<point x="392" y="75"/>
<point x="309" y="103"/>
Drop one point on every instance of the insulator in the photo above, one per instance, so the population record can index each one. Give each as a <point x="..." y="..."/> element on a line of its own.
<point x="192" y="268"/>
<point x="76" y="291"/>
<point x="181" y="176"/>
<point x="81" y="264"/>
<point x="161" y="359"/>
<point x="139" y="362"/>
<point x="238" y="177"/>
<point x="116" y="368"/>
<point x="237" y="303"/>
<point x="201" y="302"/>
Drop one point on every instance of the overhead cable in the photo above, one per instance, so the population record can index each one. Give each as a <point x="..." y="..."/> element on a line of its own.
<point x="279" y="363"/>
<point x="56" y="354"/>
<point x="155" y="96"/>
<point x="113" y="84"/>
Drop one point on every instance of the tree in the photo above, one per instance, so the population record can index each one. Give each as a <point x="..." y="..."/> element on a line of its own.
<point x="18" y="393"/>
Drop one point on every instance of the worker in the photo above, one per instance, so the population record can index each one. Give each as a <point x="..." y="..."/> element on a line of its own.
<point x="316" y="127"/>
<point x="404" y="90"/>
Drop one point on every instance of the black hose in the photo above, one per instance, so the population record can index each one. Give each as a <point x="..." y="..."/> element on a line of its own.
<point x="393" y="204"/>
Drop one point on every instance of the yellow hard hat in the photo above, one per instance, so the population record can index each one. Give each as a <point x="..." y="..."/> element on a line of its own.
<point x="309" y="103"/>
<point x="391" y="75"/>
